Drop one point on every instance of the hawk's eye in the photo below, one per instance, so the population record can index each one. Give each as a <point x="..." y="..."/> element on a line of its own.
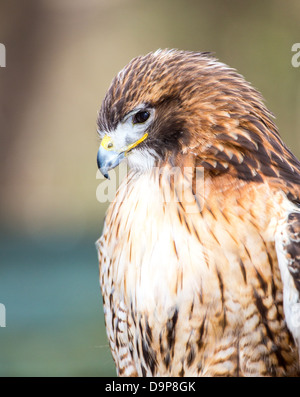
<point x="141" y="117"/>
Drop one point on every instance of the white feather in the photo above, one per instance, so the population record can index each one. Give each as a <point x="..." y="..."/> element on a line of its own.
<point x="291" y="298"/>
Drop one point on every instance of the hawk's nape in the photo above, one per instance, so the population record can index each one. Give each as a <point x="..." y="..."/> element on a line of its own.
<point x="198" y="281"/>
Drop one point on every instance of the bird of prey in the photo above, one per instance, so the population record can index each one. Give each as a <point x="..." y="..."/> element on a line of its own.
<point x="198" y="281"/>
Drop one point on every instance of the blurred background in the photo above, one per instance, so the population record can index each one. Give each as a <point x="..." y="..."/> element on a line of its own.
<point x="61" y="56"/>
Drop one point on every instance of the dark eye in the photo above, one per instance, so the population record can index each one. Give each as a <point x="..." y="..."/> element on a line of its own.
<point x="141" y="117"/>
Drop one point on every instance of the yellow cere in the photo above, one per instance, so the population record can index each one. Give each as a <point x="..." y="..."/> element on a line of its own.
<point x="107" y="143"/>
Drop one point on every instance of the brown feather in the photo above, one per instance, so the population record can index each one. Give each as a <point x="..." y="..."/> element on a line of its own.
<point x="192" y="285"/>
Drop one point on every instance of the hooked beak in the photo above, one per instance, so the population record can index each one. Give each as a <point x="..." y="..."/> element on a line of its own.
<point x="108" y="157"/>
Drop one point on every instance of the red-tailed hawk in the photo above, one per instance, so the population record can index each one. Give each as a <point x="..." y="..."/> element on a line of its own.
<point x="198" y="281"/>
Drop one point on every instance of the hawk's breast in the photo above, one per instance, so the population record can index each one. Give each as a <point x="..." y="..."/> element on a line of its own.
<point x="188" y="290"/>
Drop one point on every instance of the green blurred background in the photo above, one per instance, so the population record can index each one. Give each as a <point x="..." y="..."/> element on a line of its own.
<point x="60" y="58"/>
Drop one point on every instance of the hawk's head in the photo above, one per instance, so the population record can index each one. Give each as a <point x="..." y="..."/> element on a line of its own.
<point x="170" y="104"/>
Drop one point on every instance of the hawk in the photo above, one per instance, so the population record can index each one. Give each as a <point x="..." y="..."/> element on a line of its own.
<point x="198" y="281"/>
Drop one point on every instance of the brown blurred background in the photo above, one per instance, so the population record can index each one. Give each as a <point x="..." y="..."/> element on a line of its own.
<point x="60" y="58"/>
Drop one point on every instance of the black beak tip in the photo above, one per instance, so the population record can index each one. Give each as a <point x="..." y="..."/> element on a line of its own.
<point x="105" y="174"/>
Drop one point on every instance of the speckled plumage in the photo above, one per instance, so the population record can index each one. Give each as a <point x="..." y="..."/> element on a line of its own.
<point x="206" y="283"/>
